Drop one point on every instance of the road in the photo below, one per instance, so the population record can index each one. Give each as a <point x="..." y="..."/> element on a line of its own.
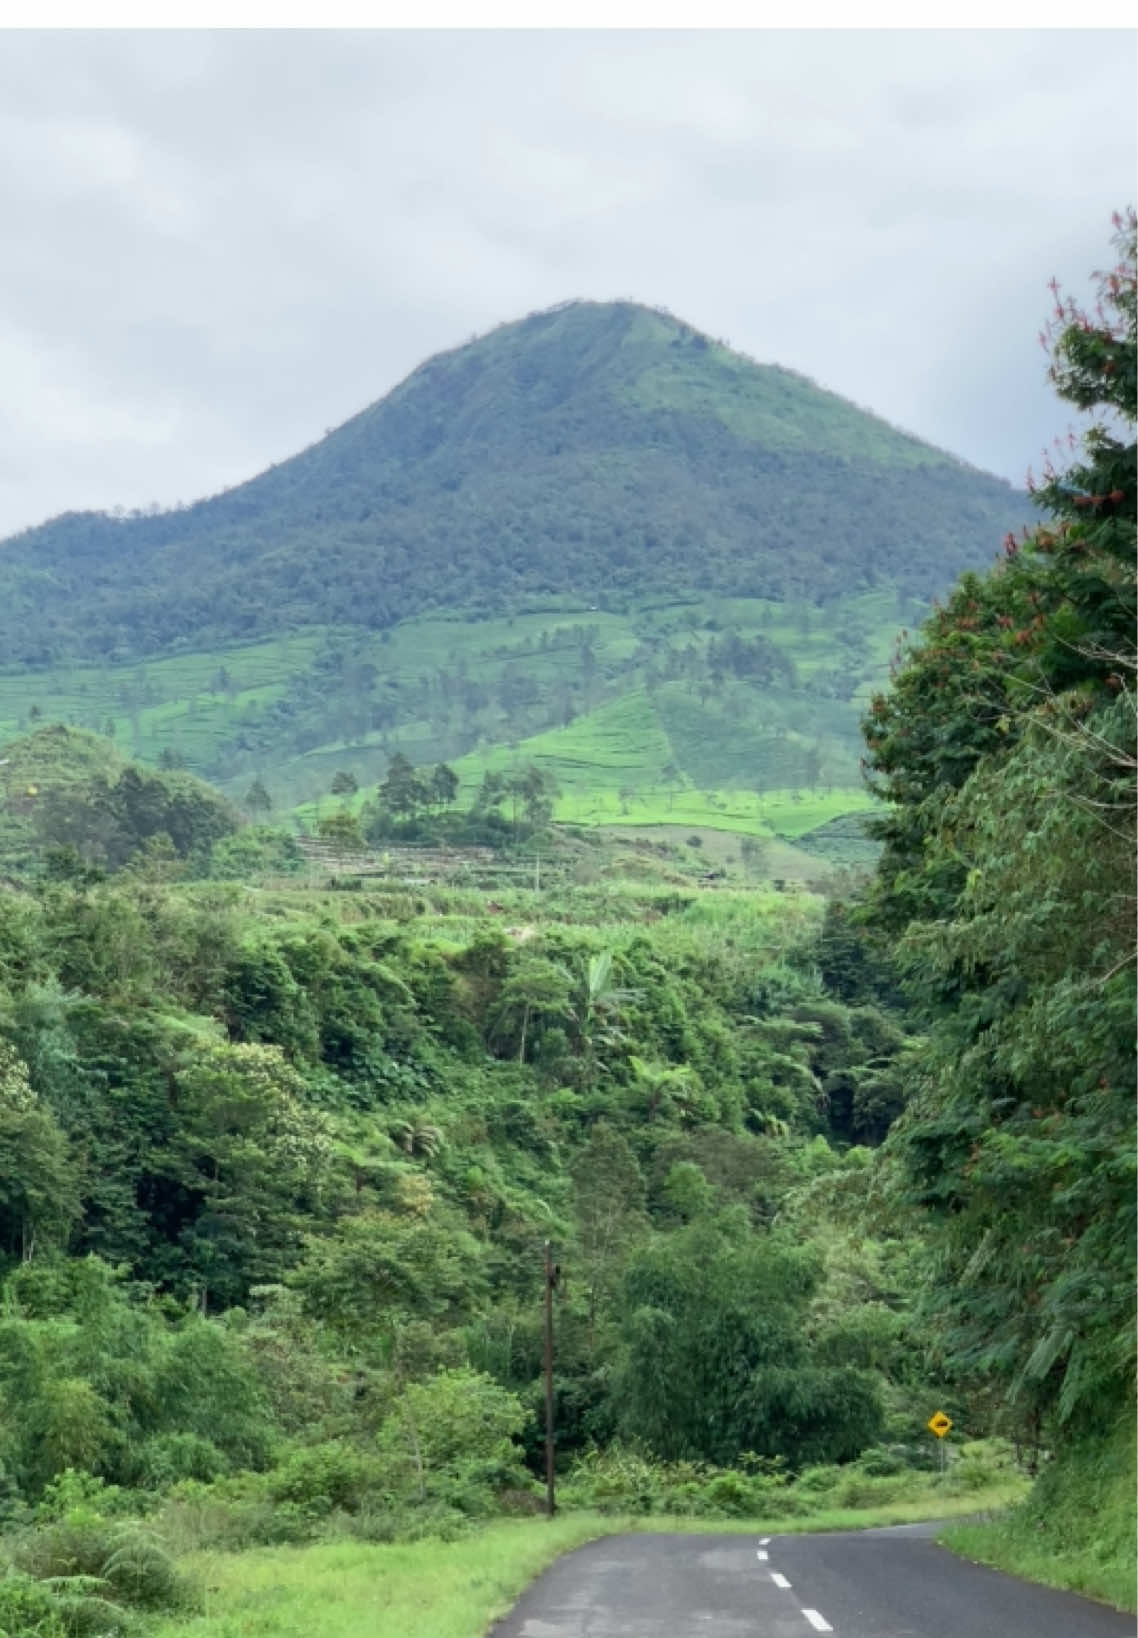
<point x="893" y="1583"/>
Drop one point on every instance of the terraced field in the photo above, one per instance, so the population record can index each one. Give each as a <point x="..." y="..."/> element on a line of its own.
<point x="633" y="713"/>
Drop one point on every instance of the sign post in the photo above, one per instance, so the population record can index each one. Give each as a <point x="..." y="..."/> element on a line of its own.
<point x="939" y="1424"/>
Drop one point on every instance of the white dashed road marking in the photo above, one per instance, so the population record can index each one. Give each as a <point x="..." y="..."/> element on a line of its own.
<point x="764" y="1541"/>
<point x="817" y="1622"/>
<point x="779" y="1580"/>
<point x="762" y="1555"/>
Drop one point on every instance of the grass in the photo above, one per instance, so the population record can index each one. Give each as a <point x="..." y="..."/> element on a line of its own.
<point x="1005" y="1545"/>
<point x="719" y="850"/>
<point x="778" y="813"/>
<point x="454" y="1589"/>
<point x="610" y="767"/>
<point x="351" y="1590"/>
<point x="1076" y="1529"/>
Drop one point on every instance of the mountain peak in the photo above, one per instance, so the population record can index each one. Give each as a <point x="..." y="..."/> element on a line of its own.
<point x="588" y="451"/>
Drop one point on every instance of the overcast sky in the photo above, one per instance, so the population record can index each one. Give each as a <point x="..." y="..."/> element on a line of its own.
<point x="218" y="245"/>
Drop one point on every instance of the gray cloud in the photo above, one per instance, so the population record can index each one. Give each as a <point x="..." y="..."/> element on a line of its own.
<point x="218" y="245"/>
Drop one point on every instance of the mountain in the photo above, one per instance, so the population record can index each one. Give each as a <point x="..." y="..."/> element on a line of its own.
<point x="589" y="452"/>
<point x="593" y="500"/>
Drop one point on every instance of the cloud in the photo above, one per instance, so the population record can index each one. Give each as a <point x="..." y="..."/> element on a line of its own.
<point x="218" y="244"/>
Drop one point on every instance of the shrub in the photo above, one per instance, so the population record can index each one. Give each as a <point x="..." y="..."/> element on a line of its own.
<point x="881" y="1461"/>
<point x="231" y="1515"/>
<point x="323" y="1477"/>
<point x="173" y="1456"/>
<point x="142" y="1572"/>
<point x="27" y="1609"/>
<point x="616" y="1480"/>
<point x="818" y="1481"/>
<point x="859" y="1490"/>
<point x="733" y="1494"/>
<point x="85" y="1556"/>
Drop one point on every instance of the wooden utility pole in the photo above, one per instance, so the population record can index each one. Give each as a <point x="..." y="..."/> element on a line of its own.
<point x="551" y="1277"/>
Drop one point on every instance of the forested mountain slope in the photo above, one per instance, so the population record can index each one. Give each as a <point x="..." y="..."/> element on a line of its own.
<point x="585" y="453"/>
<point x="587" y="504"/>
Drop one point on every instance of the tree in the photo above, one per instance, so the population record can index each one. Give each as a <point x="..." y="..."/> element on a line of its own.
<point x="755" y="855"/>
<point x="443" y="785"/>
<point x="599" y="1007"/>
<point x="401" y="791"/>
<point x="534" y="792"/>
<point x="248" y="1156"/>
<point x="39" y="1198"/>
<point x="535" y="990"/>
<point x="381" y="1271"/>
<point x="715" y="1360"/>
<point x="257" y="798"/>
<point x="344" y="783"/>
<point x="661" y="1086"/>
<point x="609" y="1205"/>
<point x="1006" y="751"/>
<point x="453" y="1436"/>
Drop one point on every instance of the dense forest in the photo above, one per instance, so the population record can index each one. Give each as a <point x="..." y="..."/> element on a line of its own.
<point x="1006" y="752"/>
<point x="278" y="1165"/>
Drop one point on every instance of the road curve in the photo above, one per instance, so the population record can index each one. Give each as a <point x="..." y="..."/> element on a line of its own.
<point x="893" y="1583"/>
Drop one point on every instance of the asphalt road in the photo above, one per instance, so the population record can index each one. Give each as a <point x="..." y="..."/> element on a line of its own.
<point x="862" y="1584"/>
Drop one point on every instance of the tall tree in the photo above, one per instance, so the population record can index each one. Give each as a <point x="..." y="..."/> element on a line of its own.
<point x="1006" y="751"/>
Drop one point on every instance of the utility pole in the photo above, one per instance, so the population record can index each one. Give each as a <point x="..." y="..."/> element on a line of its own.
<point x="552" y="1275"/>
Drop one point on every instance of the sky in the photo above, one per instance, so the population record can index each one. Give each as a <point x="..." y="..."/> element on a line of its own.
<point x="220" y="244"/>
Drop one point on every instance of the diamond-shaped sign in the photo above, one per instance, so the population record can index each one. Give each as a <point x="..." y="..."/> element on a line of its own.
<point x="939" y="1424"/>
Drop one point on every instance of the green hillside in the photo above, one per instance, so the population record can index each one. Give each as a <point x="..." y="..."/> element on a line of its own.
<point x="621" y="765"/>
<point x="746" y="693"/>
<point x="581" y="454"/>
<point x="61" y="788"/>
<point x="580" y="506"/>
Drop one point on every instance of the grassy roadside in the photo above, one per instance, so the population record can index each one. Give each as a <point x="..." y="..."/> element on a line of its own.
<point x="1076" y="1527"/>
<point x="1005" y="1545"/>
<point x="456" y="1589"/>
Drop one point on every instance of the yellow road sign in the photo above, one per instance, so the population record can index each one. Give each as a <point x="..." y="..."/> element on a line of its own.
<point x="939" y="1424"/>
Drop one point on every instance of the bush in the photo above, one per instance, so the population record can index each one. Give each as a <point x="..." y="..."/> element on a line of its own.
<point x="78" y="1545"/>
<point x="859" y="1490"/>
<point x="323" y="1477"/>
<point x="231" y="1515"/>
<point x="882" y="1461"/>
<point x="173" y="1456"/>
<point x="616" y="1480"/>
<point x="979" y="1463"/>
<point x="818" y="1481"/>
<point x="93" y="1555"/>
<point x="733" y="1494"/>
<point x="450" y="1439"/>
<point x="28" y="1610"/>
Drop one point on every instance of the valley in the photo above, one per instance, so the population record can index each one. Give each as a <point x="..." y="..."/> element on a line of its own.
<point x="607" y="801"/>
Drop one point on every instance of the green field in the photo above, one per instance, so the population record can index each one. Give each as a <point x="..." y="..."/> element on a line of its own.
<point x="631" y="712"/>
<point x="619" y="766"/>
